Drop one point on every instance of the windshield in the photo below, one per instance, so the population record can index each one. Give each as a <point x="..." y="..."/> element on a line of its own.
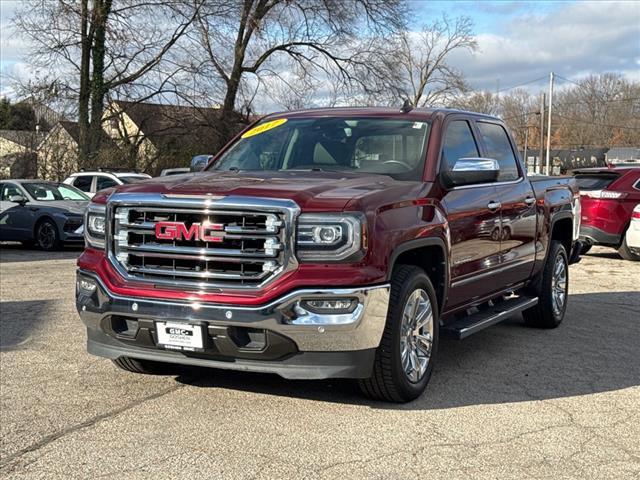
<point x="362" y="145"/>
<point x="45" y="192"/>
<point x="132" y="178"/>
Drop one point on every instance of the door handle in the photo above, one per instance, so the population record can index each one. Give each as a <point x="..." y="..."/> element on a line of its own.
<point x="530" y="200"/>
<point x="494" y="205"/>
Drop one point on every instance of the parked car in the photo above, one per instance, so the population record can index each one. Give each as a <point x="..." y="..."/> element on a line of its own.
<point x="608" y="197"/>
<point x="633" y="233"/>
<point x="174" y="171"/>
<point x="92" y="182"/>
<point x="45" y="213"/>
<point x="330" y="243"/>
<point x="198" y="162"/>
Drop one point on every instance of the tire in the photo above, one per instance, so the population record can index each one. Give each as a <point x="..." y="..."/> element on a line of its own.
<point x="389" y="380"/>
<point x="146" y="367"/>
<point x="47" y="236"/>
<point x="585" y="249"/>
<point x="548" y="313"/>
<point x="626" y="253"/>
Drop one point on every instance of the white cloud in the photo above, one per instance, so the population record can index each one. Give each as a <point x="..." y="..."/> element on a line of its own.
<point x="573" y="41"/>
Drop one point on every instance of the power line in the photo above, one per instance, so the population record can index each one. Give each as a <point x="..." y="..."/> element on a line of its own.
<point x="521" y="84"/>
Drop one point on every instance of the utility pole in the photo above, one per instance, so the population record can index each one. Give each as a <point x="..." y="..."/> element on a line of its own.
<point x="526" y="141"/>
<point x="538" y="164"/>
<point x="548" y="171"/>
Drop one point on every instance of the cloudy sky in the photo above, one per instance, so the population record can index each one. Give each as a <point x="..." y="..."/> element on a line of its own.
<point x="518" y="41"/>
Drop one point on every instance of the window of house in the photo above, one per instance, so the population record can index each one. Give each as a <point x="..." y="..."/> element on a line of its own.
<point x="458" y="143"/>
<point x="499" y="148"/>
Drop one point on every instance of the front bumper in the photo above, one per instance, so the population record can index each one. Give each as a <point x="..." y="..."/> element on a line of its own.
<point x="279" y="337"/>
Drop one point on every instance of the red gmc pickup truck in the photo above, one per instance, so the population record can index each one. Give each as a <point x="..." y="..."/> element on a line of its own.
<point x="329" y="243"/>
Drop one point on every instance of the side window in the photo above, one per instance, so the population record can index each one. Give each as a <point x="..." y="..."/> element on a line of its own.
<point x="9" y="190"/>
<point x="83" y="183"/>
<point x="458" y="143"/>
<point x="498" y="147"/>
<point x="105" y="182"/>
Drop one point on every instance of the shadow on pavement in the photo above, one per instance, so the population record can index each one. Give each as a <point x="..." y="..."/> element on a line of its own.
<point x="15" y="252"/>
<point x="605" y="253"/>
<point x="594" y="350"/>
<point x="19" y="319"/>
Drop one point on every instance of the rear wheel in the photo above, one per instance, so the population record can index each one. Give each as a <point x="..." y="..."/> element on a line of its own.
<point x="147" y="367"/>
<point x="552" y="291"/>
<point x="404" y="360"/>
<point x="585" y="248"/>
<point x="47" y="235"/>
<point x="626" y="252"/>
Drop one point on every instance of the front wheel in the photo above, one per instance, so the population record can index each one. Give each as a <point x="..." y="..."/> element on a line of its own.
<point x="146" y="367"/>
<point x="47" y="236"/>
<point x="552" y="291"/>
<point x="404" y="360"/>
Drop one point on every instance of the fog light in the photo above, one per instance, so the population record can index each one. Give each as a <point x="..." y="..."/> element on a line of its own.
<point x="330" y="306"/>
<point x="86" y="285"/>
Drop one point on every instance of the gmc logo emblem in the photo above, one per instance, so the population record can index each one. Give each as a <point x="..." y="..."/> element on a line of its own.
<point x="207" y="232"/>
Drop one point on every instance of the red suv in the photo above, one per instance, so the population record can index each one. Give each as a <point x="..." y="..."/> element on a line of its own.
<point x="608" y="196"/>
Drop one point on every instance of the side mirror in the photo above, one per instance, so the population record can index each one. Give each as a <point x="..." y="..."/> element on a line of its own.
<point x="18" y="199"/>
<point x="199" y="162"/>
<point x="473" y="170"/>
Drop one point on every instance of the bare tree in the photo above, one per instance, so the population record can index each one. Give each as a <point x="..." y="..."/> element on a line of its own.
<point x="427" y="76"/>
<point x="248" y="41"/>
<point x="480" y="101"/>
<point x="94" y="48"/>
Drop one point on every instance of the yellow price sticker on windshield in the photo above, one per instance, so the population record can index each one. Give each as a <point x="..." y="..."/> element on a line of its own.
<point x="263" y="127"/>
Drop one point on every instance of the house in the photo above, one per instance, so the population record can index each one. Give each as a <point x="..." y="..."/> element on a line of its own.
<point x="161" y="135"/>
<point x="58" y="151"/>
<point x="623" y="154"/>
<point x="17" y="152"/>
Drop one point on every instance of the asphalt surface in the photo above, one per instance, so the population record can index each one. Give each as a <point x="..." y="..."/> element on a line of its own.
<point x="509" y="402"/>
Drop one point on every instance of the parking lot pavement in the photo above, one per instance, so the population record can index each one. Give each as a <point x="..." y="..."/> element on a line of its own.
<point x="509" y="402"/>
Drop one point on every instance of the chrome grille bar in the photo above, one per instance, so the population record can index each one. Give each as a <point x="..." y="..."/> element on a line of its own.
<point x="222" y="243"/>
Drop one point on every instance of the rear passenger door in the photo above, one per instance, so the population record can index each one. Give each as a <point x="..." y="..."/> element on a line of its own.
<point x="102" y="182"/>
<point x="474" y="221"/>
<point x="518" y="204"/>
<point x="84" y="183"/>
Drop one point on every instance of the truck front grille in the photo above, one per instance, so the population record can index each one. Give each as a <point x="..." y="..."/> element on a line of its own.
<point x="203" y="247"/>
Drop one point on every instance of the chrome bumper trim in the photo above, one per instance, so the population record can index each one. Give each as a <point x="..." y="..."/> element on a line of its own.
<point x="363" y="330"/>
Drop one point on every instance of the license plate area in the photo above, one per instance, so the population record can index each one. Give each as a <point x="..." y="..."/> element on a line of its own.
<point x="180" y="336"/>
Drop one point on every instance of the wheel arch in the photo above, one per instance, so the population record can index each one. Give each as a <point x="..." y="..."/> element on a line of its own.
<point x="562" y="231"/>
<point x="42" y="218"/>
<point x="430" y="254"/>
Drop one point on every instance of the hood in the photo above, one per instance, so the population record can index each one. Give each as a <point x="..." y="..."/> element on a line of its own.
<point x="311" y="190"/>
<point x="73" y="207"/>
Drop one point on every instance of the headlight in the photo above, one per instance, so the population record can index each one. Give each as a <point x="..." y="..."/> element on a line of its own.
<point x="330" y="237"/>
<point x="95" y="225"/>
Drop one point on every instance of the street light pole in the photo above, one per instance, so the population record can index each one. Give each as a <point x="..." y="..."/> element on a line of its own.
<point x="548" y="171"/>
<point x="538" y="165"/>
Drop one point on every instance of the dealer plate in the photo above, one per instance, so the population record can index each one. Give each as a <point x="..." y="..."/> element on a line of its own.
<point x="179" y="336"/>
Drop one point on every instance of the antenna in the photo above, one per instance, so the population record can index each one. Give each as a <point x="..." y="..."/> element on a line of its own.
<point x="407" y="106"/>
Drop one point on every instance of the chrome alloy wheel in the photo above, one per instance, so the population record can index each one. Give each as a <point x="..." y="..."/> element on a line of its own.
<point x="416" y="335"/>
<point x="559" y="285"/>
